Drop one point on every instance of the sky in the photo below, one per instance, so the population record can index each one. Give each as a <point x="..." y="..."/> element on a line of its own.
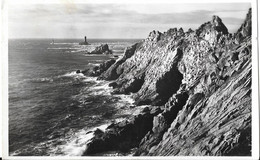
<point x="116" y="20"/>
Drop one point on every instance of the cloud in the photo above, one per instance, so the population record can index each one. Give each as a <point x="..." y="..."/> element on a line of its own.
<point x="114" y="20"/>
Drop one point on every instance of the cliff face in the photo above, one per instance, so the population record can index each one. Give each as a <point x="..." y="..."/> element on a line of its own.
<point x="149" y="69"/>
<point x="202" y="79"/>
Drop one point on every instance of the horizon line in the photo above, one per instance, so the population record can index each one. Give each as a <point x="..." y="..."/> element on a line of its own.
<point x="67" y="38"/>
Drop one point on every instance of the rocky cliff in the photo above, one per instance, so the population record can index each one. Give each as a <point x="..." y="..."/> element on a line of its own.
<point x="199" y="83"/>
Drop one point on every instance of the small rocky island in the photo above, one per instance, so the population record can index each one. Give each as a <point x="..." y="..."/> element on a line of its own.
<point x="85" y="42"/>
<point x="196" y="86"/>
<point x="102" y="49"/>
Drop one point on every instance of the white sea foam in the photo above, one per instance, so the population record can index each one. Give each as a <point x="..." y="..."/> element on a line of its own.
<point x="125" y="98"/>
<point x="80" y="50"/>
<point x="90" y="79"/>
<point x="119" y="51"/>
<point x="42" y="80"/>
<point x="62" y="48"/>
<point x="101" y="88"/>
<point x="73" y="74"/>
<point x="65" y="43"/>
<point x="103" y="127"/>
<point x="76" y="143"/>
<point x="96" y="55"/>
<point x="138" y="109"/>
<point x="117" y="120"/>
<point x="94" y="64"/>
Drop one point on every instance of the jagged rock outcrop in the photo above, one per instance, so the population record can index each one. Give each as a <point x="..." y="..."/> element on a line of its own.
<point x="97" y="70"/>
<point x="215" y="123"/>
<point x="202" y="79"/>
<point x="245" y="29"/>
<point x="102" y="49"/>
<point x="216" y="119"/>
<point x="140" y="73"/>
<point x="114" y="71"/>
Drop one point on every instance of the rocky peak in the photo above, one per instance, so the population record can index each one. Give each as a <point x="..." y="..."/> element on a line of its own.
<point x="189" y="30"/>
<point x="180" y="31"/>
<point x="212" y="30"/>
<point x="246" y="28"/>
<point x="172" y="30"/>
<point x="218" y="25"/>
<point x="154" y="36"/>
<point x="216" y="20"/>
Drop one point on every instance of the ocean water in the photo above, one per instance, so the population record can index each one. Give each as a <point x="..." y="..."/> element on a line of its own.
<point x="53" y="110"/>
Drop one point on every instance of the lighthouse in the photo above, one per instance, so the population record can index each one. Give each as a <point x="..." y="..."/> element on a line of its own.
<point x="85" y="42"/>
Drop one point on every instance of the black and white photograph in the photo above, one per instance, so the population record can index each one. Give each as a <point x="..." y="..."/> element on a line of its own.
<point x="93" y="79"/>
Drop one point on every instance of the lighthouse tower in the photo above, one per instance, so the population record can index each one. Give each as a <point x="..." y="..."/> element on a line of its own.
<point x="85" y="42"/>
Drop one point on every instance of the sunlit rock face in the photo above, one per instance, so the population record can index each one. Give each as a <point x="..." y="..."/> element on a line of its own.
<point x="216" y="118"/>
<point x="201" y="79"/>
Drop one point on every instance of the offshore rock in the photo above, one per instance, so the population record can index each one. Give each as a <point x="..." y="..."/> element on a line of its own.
<point x="102" y="49"/>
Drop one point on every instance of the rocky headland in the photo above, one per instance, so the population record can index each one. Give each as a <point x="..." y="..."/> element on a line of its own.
<point x="197" y="88"/>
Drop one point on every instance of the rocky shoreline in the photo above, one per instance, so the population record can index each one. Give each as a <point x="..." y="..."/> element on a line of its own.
<point x="197" y="88"/>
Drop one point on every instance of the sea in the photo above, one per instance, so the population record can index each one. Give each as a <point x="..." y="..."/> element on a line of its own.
<point x="53" y="111"/>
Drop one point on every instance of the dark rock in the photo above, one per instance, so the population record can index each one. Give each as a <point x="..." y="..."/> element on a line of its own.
<point x="132" y="106"/>
<point x="162" y="122"/>
<point x="98" y="132"/>
<point x="245" y="29"/>
<point x="146" y="109"/>
<point x="97" y="70"/>
<point x="122" y="136"/>
<point x="189" y="30"/>
<point x="78" y="71"/>
<point x="113" y="84"/>
<point x="84" y="43"/>
<point x="102" y="49"/>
